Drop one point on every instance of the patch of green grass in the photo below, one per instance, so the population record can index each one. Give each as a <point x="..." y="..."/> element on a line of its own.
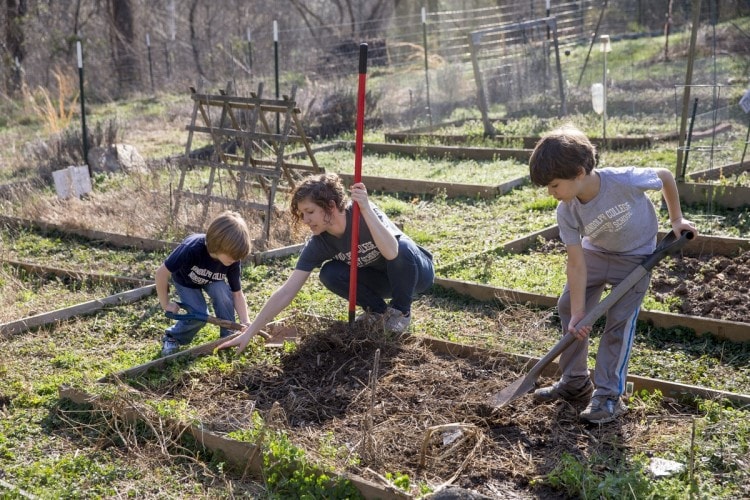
<point x="459" y="227"/>
<point x="75" y="253"/>
<point x="488" y="173"/>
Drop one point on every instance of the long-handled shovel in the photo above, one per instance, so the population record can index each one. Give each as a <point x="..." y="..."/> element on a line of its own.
<point x="668" y="245"/>
<point x="357" y="178"/>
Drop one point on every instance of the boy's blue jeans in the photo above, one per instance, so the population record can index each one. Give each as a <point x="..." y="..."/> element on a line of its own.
<point x="409" y="273"/>
<point x="221" y="298"/>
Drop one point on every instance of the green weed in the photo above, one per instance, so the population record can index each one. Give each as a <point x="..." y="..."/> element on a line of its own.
<point x="399" y="480"/>
<point x="289" y="474"/>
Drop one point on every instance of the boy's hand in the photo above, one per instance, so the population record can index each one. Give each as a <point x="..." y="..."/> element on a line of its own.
<point x="682" y="224"/>
<point x="582" y="332"/>
<point x="172" y="307"/>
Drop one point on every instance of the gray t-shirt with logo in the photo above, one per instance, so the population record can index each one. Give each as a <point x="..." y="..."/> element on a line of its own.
<point x="325" y="246"/>
<point x="621" y="219"/>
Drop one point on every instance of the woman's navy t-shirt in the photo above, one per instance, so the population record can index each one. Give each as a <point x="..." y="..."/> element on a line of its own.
<point x="323" y="247"/>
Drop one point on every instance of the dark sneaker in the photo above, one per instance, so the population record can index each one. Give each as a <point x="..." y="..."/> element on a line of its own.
<point x="559" y="391"/>
<point x="169" y="346"/>
<point x="603" y="409"/>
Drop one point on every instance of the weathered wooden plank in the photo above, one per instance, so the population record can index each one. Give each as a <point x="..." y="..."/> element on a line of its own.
<point x="277" y="253"/>
<point x="394" y="185"/>
<point x="246" y="457"/>
<point x="733" y="331"/>
<point x="113" y="239"/>
<point x="527" y="142"/>
<point x="454" y="152"/>
<point x="240" y="102"/>
<point x="667" y="388"/>
<point x="702" y="245"/>
<point x="488" y="293"/>
<point x="515" y="246"/>
<point x="272" y="331"/>
<point x="724" y="196"/>
<point x="76" y="275"/>
<point x="719" y="172"/>
<point x="79" y="309"/>
<point x="244" y="134"/>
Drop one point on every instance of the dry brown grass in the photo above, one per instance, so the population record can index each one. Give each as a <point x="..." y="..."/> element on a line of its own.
<point x="139" y="205"/>
<point x="54" y="112"/>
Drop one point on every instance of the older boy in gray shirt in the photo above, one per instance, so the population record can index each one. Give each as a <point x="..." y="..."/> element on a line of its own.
<point x="608" y="225"/>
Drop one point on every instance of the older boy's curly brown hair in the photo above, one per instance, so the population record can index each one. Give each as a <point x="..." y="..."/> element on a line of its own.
<point x="561" y="154"/>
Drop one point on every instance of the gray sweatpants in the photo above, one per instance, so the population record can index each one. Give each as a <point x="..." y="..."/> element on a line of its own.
<point x="611" y="370"/>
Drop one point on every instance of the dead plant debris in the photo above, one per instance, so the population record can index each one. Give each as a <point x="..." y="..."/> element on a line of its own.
<point x="422" y="413"/>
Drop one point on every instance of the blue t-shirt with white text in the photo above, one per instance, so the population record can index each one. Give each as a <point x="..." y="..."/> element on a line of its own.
<point x="192" y="266"/>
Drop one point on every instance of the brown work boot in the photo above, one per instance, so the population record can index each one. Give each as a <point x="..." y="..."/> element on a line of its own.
<point x="565" y="391"/>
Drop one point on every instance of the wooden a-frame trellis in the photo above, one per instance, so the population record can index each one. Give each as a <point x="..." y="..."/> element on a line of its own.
<point x="245" y="146"/>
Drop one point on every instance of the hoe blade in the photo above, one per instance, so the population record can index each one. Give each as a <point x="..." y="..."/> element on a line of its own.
<point x="513" y="391"/>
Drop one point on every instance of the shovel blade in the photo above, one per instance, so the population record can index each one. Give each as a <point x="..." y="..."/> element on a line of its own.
<point x="515" y="390"/>
<point x="278" y="334"/>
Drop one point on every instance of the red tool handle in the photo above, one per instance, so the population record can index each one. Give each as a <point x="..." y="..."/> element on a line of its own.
<point x="357" y="178"/>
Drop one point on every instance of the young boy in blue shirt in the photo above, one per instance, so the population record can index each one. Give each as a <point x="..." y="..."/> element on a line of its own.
<point x="608" y="226"/>
<point x="210" y="263"/>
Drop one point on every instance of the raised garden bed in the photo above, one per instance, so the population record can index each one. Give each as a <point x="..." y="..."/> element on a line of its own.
<point x="524" y="142"/>
<point x="490" y="172"/>
<point x="138" y="207"/>
<point x="709" y="281"/>
<point x="35" y="295"/>
<point x="726" y="196"/>
<point x="382" y="407"/>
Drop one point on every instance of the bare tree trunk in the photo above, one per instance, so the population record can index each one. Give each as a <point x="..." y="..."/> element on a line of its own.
<point x="14" y="39"/>
<point x="667" y="26"/>
<point x="194" y="38"/>
<point x="123" y="39"/>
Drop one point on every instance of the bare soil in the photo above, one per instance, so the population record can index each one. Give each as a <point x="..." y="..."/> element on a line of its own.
<point x="402" y="408"/>
<point x="712" y="286"/>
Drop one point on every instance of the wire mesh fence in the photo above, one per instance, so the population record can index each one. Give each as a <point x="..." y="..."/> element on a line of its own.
<point x="423" y="57"/>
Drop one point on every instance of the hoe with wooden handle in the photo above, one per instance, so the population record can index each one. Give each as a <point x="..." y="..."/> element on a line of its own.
<point x="192" y="314"/>
<point x="668" y="245"/>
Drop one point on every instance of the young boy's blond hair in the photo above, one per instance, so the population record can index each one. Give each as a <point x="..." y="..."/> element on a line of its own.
<point x="228" y="234"/>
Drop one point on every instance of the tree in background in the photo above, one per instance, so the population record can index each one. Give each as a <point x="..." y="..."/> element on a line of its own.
<point x="14" y="41"/>
<point x="123" y="38"/>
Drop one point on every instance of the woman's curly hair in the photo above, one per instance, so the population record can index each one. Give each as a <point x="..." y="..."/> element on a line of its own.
<point x="322" y="190"/>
